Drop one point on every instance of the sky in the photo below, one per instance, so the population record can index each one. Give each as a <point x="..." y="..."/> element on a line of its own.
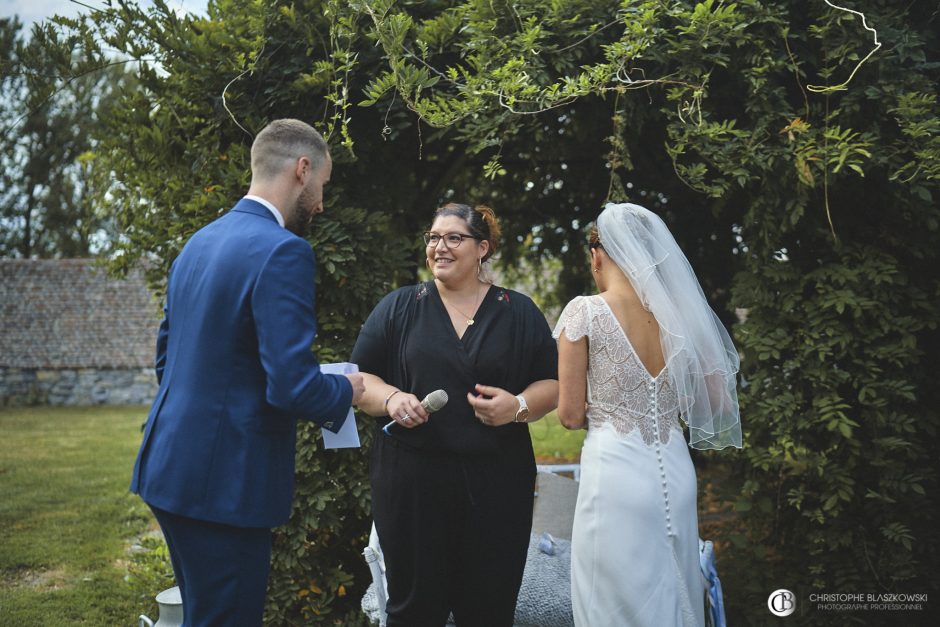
<point x="30" y="11"/>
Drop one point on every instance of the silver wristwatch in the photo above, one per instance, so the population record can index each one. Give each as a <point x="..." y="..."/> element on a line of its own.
<point x="522" y="415"/>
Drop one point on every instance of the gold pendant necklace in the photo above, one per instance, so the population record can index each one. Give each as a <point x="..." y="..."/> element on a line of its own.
<point x="470" y="319"/>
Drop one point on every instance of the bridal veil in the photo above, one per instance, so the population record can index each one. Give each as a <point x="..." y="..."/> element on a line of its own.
<point x="701" y="360"/>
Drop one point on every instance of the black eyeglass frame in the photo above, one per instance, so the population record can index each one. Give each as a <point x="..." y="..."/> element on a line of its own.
<point x="596" y="244"/>
<point x="428" y="235"/>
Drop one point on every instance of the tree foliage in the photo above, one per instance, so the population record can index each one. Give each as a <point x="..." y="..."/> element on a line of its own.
<point x="791" y="146"/>
<point x="47" y="130"/>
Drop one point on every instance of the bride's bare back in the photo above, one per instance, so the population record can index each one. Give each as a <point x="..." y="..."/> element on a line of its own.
<point x="638" y="325"/>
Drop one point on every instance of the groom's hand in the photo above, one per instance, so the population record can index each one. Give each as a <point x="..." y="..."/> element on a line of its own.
<point x="358" y="386"/>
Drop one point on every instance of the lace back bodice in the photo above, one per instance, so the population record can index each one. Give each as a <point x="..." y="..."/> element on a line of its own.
<point x="620" y="391"/>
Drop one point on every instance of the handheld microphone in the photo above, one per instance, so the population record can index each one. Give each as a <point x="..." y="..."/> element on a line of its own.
<point x="431" y="403"/>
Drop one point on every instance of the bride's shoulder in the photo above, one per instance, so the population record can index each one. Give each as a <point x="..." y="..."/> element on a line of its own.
<point x="580" y="308"/>
<point x="575" y="319"/>
<point x="577" y="301"/>
<point x="589" y="301"/>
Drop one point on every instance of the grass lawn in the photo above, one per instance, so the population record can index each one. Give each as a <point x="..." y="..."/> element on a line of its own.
<point x="555" y="444"/>
<point x="66" y="517"/>
<point x="67" y="521"/>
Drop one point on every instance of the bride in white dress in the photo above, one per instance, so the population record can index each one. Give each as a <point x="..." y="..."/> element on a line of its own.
<point x="632" y="360"/>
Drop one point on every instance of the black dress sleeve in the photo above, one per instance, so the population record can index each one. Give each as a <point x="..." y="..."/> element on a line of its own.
<point x="536" y="352"/>
<point x="371" y="352"/>
<point x="545" y="349"/>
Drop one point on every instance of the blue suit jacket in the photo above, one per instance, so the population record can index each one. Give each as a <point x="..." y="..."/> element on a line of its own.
<point x="236" y="371"/>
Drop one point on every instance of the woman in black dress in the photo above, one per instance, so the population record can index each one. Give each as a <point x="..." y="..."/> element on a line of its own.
<point x="452" y="493"/>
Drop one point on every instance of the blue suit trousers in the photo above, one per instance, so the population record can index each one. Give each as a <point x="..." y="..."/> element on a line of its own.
<point x="222" y="571"/>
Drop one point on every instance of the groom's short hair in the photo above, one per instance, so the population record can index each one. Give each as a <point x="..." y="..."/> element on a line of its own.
<point x="281" y="143"/>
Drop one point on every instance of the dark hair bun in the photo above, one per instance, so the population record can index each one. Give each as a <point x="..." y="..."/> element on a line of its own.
<point x="489" y="217"/>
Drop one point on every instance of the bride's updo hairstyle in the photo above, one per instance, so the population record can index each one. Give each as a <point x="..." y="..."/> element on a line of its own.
<point x="594" y="239"/>
<point x="481" y="222"/>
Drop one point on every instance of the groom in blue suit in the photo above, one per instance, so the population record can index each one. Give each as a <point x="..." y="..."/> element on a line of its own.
<point x="236" y="371"/>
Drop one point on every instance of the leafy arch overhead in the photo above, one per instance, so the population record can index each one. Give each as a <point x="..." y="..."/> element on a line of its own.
<point x="792" y="146"/>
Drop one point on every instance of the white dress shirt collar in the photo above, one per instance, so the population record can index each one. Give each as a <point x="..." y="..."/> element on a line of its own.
<point x="271" y="208"/>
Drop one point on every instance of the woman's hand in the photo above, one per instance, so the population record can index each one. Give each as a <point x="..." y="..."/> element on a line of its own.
<point x="406" y="410"/>
<point x="492" y="406"/>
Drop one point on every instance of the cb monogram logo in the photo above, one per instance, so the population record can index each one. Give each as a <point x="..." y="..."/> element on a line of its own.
<point x="781" y="602"/>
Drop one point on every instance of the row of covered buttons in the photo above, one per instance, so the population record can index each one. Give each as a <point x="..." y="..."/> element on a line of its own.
<point x="654" y="413"/>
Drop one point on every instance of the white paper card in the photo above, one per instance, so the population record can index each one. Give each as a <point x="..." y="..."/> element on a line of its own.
<point x="348" y="436"/>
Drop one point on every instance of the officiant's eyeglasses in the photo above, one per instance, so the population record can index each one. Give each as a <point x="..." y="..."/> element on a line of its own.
<point x="596" y="244"/>
<point x="451" y="240"/>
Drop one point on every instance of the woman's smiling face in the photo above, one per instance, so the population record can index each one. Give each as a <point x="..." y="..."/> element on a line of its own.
<point x="454" y="264"/>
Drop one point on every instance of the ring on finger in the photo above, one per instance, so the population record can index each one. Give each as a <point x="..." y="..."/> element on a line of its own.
<point x="407" y="416"/>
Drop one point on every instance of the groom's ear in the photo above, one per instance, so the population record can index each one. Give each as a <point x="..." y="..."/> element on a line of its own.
<point x="302" y="169"/>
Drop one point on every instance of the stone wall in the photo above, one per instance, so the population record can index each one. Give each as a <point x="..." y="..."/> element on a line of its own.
<point x="76" y="386"/>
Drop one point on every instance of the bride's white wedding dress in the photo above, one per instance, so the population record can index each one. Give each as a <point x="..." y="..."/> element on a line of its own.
<point x="634" y="547"/>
